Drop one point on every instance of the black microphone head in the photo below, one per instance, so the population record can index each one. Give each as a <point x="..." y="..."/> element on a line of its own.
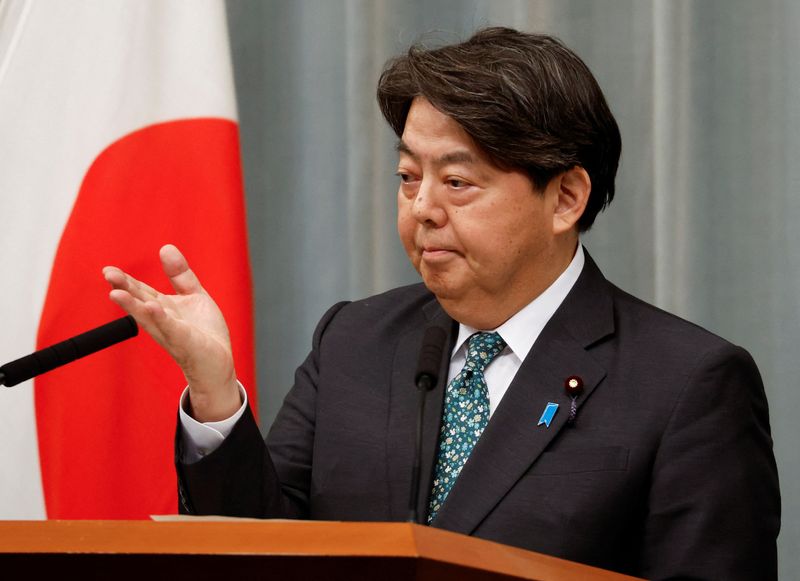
<point x="430" y="358"/>
<point x="49" y="358"/>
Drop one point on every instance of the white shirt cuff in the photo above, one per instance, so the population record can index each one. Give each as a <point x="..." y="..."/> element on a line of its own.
<point x="200" y="439"/>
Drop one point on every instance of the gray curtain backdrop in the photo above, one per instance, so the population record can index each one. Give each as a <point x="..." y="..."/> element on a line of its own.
<point x="705" y="219"/>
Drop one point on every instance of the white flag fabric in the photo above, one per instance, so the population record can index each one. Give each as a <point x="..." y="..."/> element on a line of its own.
<point x="118" y="134"/>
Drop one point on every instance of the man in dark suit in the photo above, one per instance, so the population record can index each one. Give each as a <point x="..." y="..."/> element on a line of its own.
<point x="575" y="420"/>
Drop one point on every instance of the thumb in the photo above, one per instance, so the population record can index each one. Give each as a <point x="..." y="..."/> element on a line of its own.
<point x="175" y="266"/>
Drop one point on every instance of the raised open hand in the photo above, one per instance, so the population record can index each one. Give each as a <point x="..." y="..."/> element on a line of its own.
<point x="190" y="326"/>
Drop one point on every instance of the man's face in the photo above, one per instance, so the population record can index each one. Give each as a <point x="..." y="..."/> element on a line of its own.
<point x="481" y="237"/>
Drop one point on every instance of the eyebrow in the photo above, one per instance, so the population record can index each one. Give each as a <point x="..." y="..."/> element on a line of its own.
<point x="457" y="156"/>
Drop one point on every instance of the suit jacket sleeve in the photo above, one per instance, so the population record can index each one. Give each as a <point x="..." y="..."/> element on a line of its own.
<point x="714" y="503"/>
<point x="241" y="478"/>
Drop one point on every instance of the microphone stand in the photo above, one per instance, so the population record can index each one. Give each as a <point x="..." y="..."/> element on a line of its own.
<point x="423" y="386"/>
<point x="430" y="360"/>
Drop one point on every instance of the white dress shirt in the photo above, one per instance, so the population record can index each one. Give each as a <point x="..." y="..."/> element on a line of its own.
<point x="519" y="332"/>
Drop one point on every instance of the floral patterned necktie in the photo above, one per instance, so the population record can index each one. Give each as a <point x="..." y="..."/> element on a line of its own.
<point x="466" y="413"/>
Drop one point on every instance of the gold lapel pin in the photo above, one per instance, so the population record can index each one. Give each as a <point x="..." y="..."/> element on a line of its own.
<point x="573" y="385"/>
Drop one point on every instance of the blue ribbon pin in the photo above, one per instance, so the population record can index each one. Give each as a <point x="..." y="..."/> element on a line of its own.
<point x="547" y="414"/>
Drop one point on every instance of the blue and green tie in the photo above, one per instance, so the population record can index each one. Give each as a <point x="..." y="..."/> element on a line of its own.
<point x="466" y="413"/>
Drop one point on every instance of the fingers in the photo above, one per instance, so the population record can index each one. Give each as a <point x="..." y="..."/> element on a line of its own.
<point x="175" y="266"/>
<point x="123" y="281"/>
<point x="159" y="314"/>
<point x="134" y="297"/>
<point x="140" y="310"/>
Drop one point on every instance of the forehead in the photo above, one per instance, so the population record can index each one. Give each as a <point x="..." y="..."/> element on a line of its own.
<point x="429" y="133"/>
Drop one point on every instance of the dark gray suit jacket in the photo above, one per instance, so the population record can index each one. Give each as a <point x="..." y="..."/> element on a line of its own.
<point x="668" y="471"/>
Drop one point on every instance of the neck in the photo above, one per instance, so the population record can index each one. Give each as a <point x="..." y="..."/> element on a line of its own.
<point x="488" y="311"/>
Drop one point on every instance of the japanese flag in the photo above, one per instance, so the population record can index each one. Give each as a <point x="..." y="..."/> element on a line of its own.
<point x="118" y="134"/>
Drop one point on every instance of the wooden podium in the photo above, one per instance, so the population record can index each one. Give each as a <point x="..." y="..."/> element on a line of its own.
<point x="281" y="550"/>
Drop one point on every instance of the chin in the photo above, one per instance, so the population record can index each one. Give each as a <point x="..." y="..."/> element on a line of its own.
<point x="440" y="286"/>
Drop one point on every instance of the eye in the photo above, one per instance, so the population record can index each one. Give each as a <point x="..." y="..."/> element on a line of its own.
<point x="409" y="183"/>
<point x="407" y="178"/>
<point x="457" y="183"/>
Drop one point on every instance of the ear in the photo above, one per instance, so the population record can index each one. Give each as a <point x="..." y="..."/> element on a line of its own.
<point x="571" y="190"/>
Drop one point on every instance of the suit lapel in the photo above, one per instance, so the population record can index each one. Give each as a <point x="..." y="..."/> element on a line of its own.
<point x="403" y="402"/>
<point x="512" y="440"/>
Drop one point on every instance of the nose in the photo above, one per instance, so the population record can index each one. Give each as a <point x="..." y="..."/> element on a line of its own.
<point x="427" y="208"/>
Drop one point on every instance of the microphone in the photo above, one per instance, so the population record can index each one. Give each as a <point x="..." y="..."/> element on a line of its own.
<point x="426" y="377"/>
<point x="67" y="351"/>
<point x="430" y="358"/>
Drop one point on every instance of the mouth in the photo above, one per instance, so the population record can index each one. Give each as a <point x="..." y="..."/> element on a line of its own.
<point x="436" y="253"/>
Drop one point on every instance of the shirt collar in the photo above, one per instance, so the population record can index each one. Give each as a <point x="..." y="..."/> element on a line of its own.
<point x="521" y="330"/>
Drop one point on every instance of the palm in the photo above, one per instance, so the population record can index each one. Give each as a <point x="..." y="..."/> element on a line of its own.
<point x="199" y="329"/>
